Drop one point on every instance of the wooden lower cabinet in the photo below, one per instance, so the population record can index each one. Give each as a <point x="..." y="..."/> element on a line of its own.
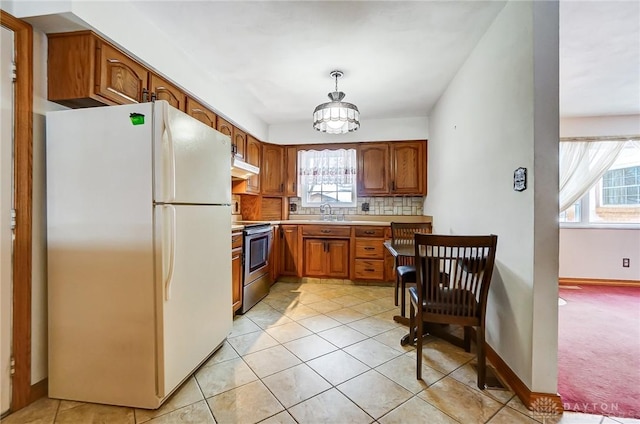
<point x="326" y="258"/>
<point x="369" y="253"/>
<point x="289" y="260"/>
<point x="236" y="270"/>
<point x="274" y="254"/>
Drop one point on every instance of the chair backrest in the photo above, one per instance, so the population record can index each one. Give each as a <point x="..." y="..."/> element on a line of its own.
<point x="402" y="233"/>
<point x="453" y="274"/>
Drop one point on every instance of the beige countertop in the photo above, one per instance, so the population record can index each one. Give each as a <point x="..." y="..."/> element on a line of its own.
<point x="372" y="220"/>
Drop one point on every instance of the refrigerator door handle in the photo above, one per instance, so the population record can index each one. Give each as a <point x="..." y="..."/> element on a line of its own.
<point x="170" y="230"/>
<point x="170" y="169"/>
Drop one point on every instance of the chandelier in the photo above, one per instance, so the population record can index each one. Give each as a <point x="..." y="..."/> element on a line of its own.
<point x="336" y="116"/>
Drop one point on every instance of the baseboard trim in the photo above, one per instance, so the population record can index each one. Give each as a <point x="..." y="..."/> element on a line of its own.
<point x="527" y="397"/>
<point x="38" y="390"/>
<point x="597" y="282"/>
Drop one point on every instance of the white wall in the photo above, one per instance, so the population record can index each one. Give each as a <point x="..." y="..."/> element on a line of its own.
<point x="495" y="116"/>
<point x="596" y="253"/>
<point x="372" y="130"/>
<point x="594" y="126"/>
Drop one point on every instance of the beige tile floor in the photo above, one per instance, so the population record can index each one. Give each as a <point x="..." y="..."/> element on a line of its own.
<point x="320" y="353"/>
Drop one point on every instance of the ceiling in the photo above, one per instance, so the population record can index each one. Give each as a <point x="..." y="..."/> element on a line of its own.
<point x="599" y="58"/>
<point x="398" y="57"/>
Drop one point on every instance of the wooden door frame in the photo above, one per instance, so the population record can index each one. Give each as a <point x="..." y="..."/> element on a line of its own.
<point x="22" y="391"/>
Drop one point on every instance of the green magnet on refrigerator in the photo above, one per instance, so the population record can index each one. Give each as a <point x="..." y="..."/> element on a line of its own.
<point x="136" y="118"/>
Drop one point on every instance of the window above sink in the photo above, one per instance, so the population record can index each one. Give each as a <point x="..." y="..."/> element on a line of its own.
<point x="327" y="177"/>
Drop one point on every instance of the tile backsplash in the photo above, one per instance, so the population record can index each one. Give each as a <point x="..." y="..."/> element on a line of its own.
<point x="377" y="206"/>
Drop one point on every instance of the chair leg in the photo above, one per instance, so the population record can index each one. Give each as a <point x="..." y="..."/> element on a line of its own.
<point x="419" y="330"/>
<point x="412" y="324"/>
<point x="403" y="296"/>
<point x="396" y="292"/>
<point x="482" y="360"/>
<point x="467" y="339"/>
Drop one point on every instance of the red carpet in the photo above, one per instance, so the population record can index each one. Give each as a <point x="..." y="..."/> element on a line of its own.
<point x="599" y="350"/>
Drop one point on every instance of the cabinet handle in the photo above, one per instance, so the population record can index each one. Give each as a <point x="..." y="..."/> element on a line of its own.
<point x="369" y="269"/>
<point x="369" y="232"/>
<point x="393" y="185"/>
<point x="281" y="187"/>
<point x="369" y="248"/>
<point x="153" y="97"/>
<point x="325" y="231"/>
<point x="145" y="95"/>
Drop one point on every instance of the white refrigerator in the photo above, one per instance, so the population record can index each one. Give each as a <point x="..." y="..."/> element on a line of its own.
<point x="138" y="242"/>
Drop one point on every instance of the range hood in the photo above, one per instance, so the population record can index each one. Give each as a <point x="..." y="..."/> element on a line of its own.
<point x="242" y="170"/>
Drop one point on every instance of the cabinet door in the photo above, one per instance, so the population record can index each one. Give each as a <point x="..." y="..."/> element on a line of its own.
<point x="337" y="258"/>
<point x="315" y="257"/>
<point x="289" y="250"/>
<point x="119" y="78"/>
<point x="253" y="156"/>
<point x="408" y="164"/>
<point x="226" y="128"/>
<point x="373" y="169"/>
<point x="272" y="170"/>
<point x="274" y="254"/>
<point x="201" y="113"/>
<point x="236" y="278"/>
<point x="240" y="141"/>
<point x="163" y="90"/>
<point x="292" y="172"/>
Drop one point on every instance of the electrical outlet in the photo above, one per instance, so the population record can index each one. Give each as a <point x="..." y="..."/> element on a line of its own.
<point x="365" y="207"/>
<point x="293" y="207"/>
<point x="625" y="262"/>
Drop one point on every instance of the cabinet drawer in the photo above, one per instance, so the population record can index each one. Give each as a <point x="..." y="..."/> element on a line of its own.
<point x="369" y="248"/>
<point x="369" y="269"/>
<point x="377" y="232"/>
<point x="326" y="230"/>
<point x="236" y="240"/>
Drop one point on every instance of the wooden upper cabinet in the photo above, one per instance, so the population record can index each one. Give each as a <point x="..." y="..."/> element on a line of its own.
<point x="240" y="142"/>
<point x="160" y="89"/>
<point x="397" y="168"/>
<point x="85" y="71"/>
<point x="373" y="169"/>
<point x="408" y="167"/>
<point x="119" y="78"/>
<point x="225" y="128"/>
<point x="201" y="113"/>
<point x="253" y="155"/>
<point x="238" y="137"/>
<point x="291" y="188"/>
<point x="272" y="170"/>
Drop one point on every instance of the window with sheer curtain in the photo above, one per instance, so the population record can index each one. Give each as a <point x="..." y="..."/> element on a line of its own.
<point x="327" y="176"/>
<point x="600" y="182"/>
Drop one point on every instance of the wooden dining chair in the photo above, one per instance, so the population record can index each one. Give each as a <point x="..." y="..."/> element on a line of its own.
<point x="402" y="234"/>
<point x="453" y="274"/>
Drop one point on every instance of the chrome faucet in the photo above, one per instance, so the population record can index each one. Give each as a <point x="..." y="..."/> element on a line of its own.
<point x="323" y="211"/>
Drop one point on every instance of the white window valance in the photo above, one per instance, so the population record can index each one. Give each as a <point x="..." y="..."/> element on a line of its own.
<point x="327" y="166"/>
